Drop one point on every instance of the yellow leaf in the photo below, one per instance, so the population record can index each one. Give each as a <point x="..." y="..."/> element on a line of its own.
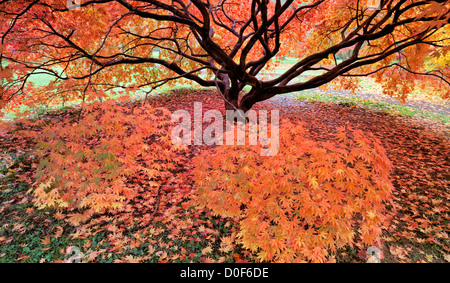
<point x="207" y="250"/>
<point x="313" y="182"/>
<point x="371" y="214"/>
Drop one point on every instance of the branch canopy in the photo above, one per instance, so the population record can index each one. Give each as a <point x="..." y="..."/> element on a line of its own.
<point x="101" y="47"/>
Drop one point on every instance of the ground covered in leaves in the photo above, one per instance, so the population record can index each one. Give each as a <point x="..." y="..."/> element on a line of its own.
<point x="416" y="230"/>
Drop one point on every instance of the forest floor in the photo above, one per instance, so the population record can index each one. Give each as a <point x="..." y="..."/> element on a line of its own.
<point x="417" y="228"/>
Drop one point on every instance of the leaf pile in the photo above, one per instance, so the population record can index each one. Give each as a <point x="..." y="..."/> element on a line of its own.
<point x="300" y="204"/>
<point x="414" y="226"/>
<point x="417" y="226"/>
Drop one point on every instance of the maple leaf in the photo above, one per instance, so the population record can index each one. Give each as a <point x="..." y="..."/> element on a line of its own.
<point x="207" y="250"/>
<point x="59" y="216"/>
<point x="59" y="231"/>
<point x="6" y="73"/>
<point x="46" y="241"/>
<point x="371" y="214"/>
<point x="227" y="244"/>
<point x="76" y="218"/>
<point x="132" y="259"/>
<point x="92" y="255"/>
<point x="313" y="182"/>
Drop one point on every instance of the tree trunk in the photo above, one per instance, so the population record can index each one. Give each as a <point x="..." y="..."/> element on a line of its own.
<point x="239" y="108"/>
<point x="230" y="90"/>
<point x="231" y="99"/>
<point x="231" y="104"/>
<point x="248" y="100"/>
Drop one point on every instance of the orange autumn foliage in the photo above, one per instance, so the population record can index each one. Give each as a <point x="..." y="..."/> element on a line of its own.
<point x="303" y="203"/>
<point x="94" y="50"/>
<point x="104" y="160"/>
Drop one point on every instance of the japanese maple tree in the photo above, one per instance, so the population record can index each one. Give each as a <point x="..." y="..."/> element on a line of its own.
<point x="101" y="46"/>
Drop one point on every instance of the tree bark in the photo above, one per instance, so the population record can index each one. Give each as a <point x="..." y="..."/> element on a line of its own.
<point x="248" y="100"/>
<point x="231" y="104"/>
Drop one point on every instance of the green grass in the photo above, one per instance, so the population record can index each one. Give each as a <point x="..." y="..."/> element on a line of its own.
<point x="23" y="228"/>
<point x="411" y="112"/>
<point x="21" y="232"/>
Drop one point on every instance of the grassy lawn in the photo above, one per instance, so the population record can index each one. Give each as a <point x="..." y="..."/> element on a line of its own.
<point x="356" y="101"/>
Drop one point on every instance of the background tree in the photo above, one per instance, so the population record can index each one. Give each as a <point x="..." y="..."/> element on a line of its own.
<point x="105" y="46"/>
